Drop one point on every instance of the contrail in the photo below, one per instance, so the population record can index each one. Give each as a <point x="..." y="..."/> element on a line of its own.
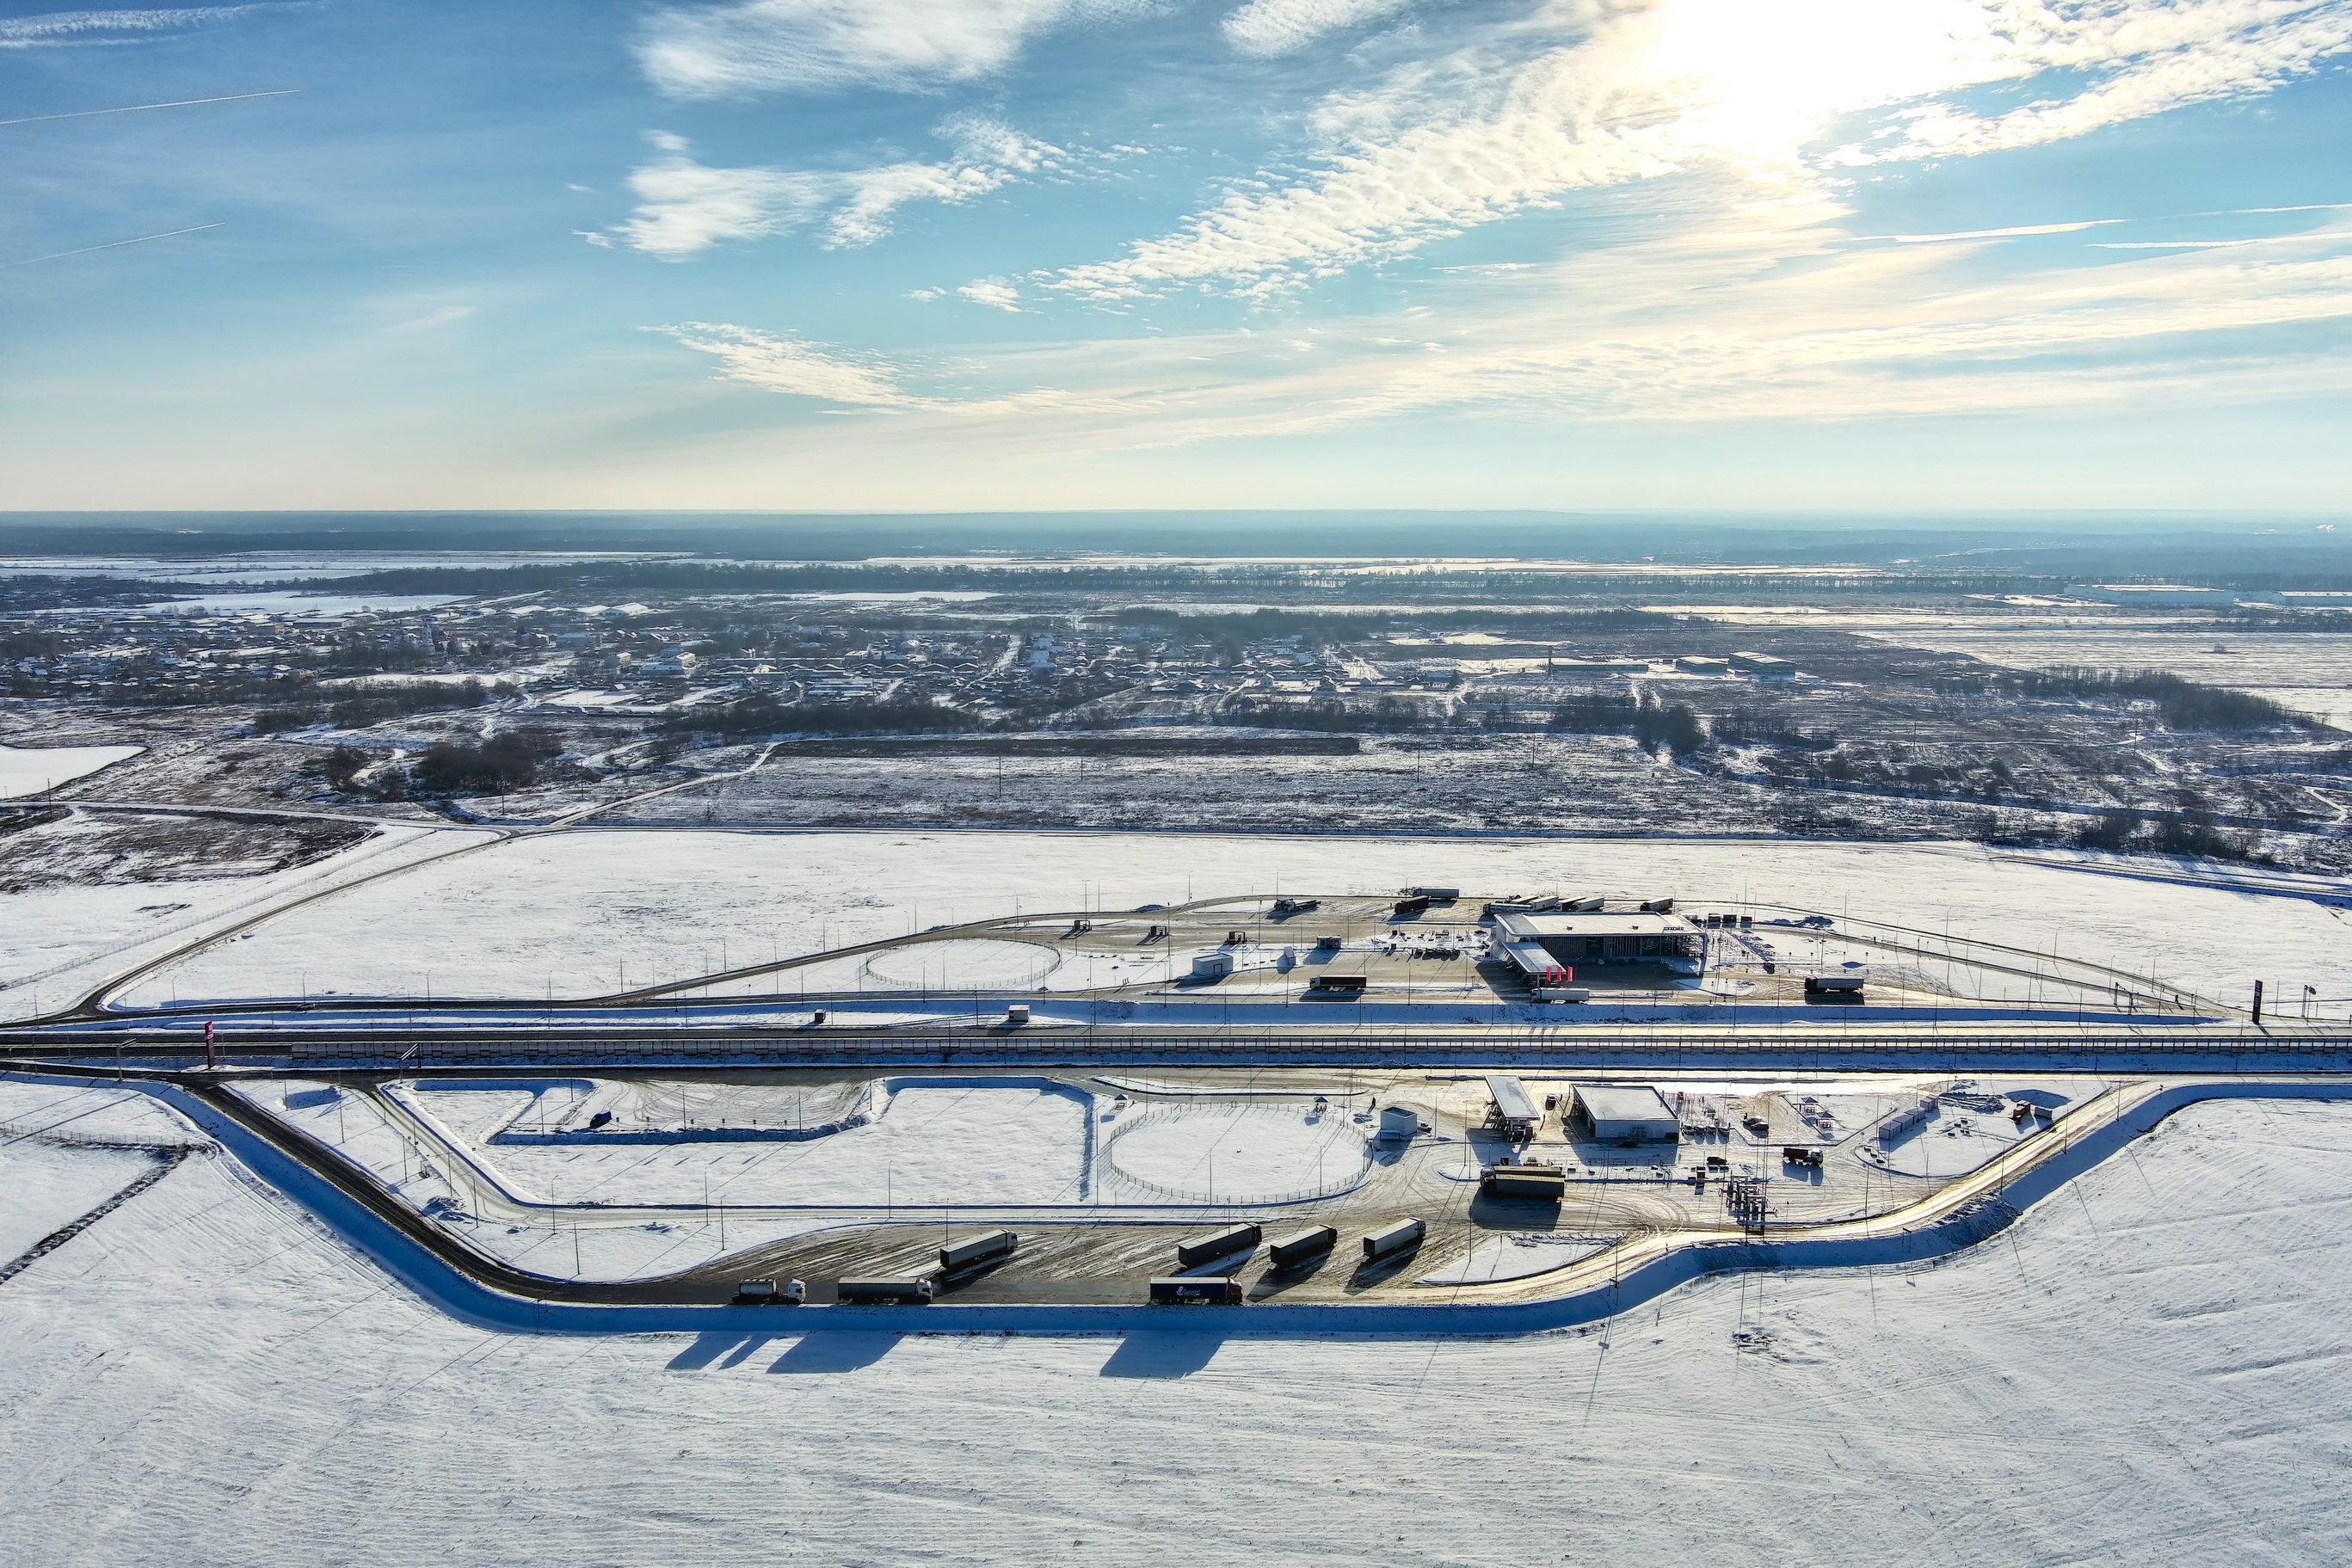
<point x="142" y="239"/>
<point x="135" y="107"/>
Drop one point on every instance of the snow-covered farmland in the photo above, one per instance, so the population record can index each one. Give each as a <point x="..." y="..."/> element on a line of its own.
<point x="2149" y="1365"/>
<point x="29" y="770"/>
<point x="593" y="911"/>
<point x="57" y="943"/>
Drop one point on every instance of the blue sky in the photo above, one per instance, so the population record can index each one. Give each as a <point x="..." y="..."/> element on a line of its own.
<point x="1878" y="255"/>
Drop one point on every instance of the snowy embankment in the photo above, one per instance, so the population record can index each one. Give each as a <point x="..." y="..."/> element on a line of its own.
<point x="593" y="911"/>
<point x="33" y="770"/>
<point x="56" y="944"/>
<point x="2155" y="1360"/>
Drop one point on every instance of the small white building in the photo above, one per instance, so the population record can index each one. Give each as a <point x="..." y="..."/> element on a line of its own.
<point x="1626" y="1112"/>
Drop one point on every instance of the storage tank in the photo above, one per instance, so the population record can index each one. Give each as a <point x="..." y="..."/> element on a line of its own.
<point x="768" y="1294"/>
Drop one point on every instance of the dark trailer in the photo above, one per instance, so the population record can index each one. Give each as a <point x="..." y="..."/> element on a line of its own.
<point x="1289" y="1252"/>
<point x="1217" y="1244"/>
<point x="973" y="1251"/>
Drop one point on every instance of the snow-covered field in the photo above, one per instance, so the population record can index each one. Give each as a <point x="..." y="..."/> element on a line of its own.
<point x="946" y="1143"/>
<point x="50" y="1184"/>
<point x="29" y="770"/>
<point x="594" y="911"/>
<point x="2148" y="1369"/>
<point x="57" y="943"/>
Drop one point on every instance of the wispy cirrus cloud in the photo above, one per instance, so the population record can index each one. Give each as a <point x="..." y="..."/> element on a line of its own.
<point x="59" y="29"/>
<point x="1699" y="326"/>
<point x="824" y="373"/>
<point x="686" y="206"/>
<point x="1266" y="28"/>
<point x="824" y="46"/>
<point x="1622" y="93"/>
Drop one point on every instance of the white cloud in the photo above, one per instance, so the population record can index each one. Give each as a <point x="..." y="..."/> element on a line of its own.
<point x="1616" y="93"/>
<point x="795" y="366"/>
<point x="1704" y="325"/>
<point x="686" y="206"/>
<point x="1707" y="328"/>
<point x="2014" y="232"/>
<point x="993" y="292"/>
<point x="810" y="46"/>
<point x="60" y="27"/>
<point x="799" y="368"/>
<point x="441" y="316"/>
<point x="1269" y="27"/>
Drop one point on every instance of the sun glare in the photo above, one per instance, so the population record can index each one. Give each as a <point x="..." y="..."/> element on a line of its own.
<point x="1755" y="84"/>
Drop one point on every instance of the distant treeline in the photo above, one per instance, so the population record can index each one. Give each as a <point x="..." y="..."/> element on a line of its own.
<point x="23" y="593"/>
<point x="761" y="713"/>
<point x="2181" y="704"/>
<point x="1437" y="582"/>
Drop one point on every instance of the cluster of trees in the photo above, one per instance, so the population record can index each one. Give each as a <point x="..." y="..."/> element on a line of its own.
<point x="2122" y="831"/>
<point x="1326" y="714"/>
<point x="2181" y="704"/>
<point x="761" y="713"/>
<point x="510" y="759"/>
<point x="1660" y="728"/>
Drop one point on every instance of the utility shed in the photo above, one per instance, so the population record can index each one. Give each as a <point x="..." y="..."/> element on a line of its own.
<point x="1625" y="1113"/>
<point x="1515" y="1110"/>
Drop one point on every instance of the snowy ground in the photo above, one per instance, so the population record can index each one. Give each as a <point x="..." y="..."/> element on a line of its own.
<point x="591" y="911"/>
<point x="948" y="1144"/>
<point x="1237" y="1153"/>
<point x="1514" y="1258"/>
<point x="2149" y="1368"/>
<point x="56" y="943"/>
<point x="50" y="1184"/>
<point x="31" y="770"/>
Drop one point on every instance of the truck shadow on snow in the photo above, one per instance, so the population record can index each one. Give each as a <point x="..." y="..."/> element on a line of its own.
<point x="1173" y="1354"/>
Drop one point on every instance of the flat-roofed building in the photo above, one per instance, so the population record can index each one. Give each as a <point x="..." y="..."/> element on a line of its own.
<point x="1624" y="1112"/>
<point x="1574" y="938"/>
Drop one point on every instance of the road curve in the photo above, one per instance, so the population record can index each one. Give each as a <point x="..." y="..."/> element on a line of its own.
<point x="492" y="1295"/>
